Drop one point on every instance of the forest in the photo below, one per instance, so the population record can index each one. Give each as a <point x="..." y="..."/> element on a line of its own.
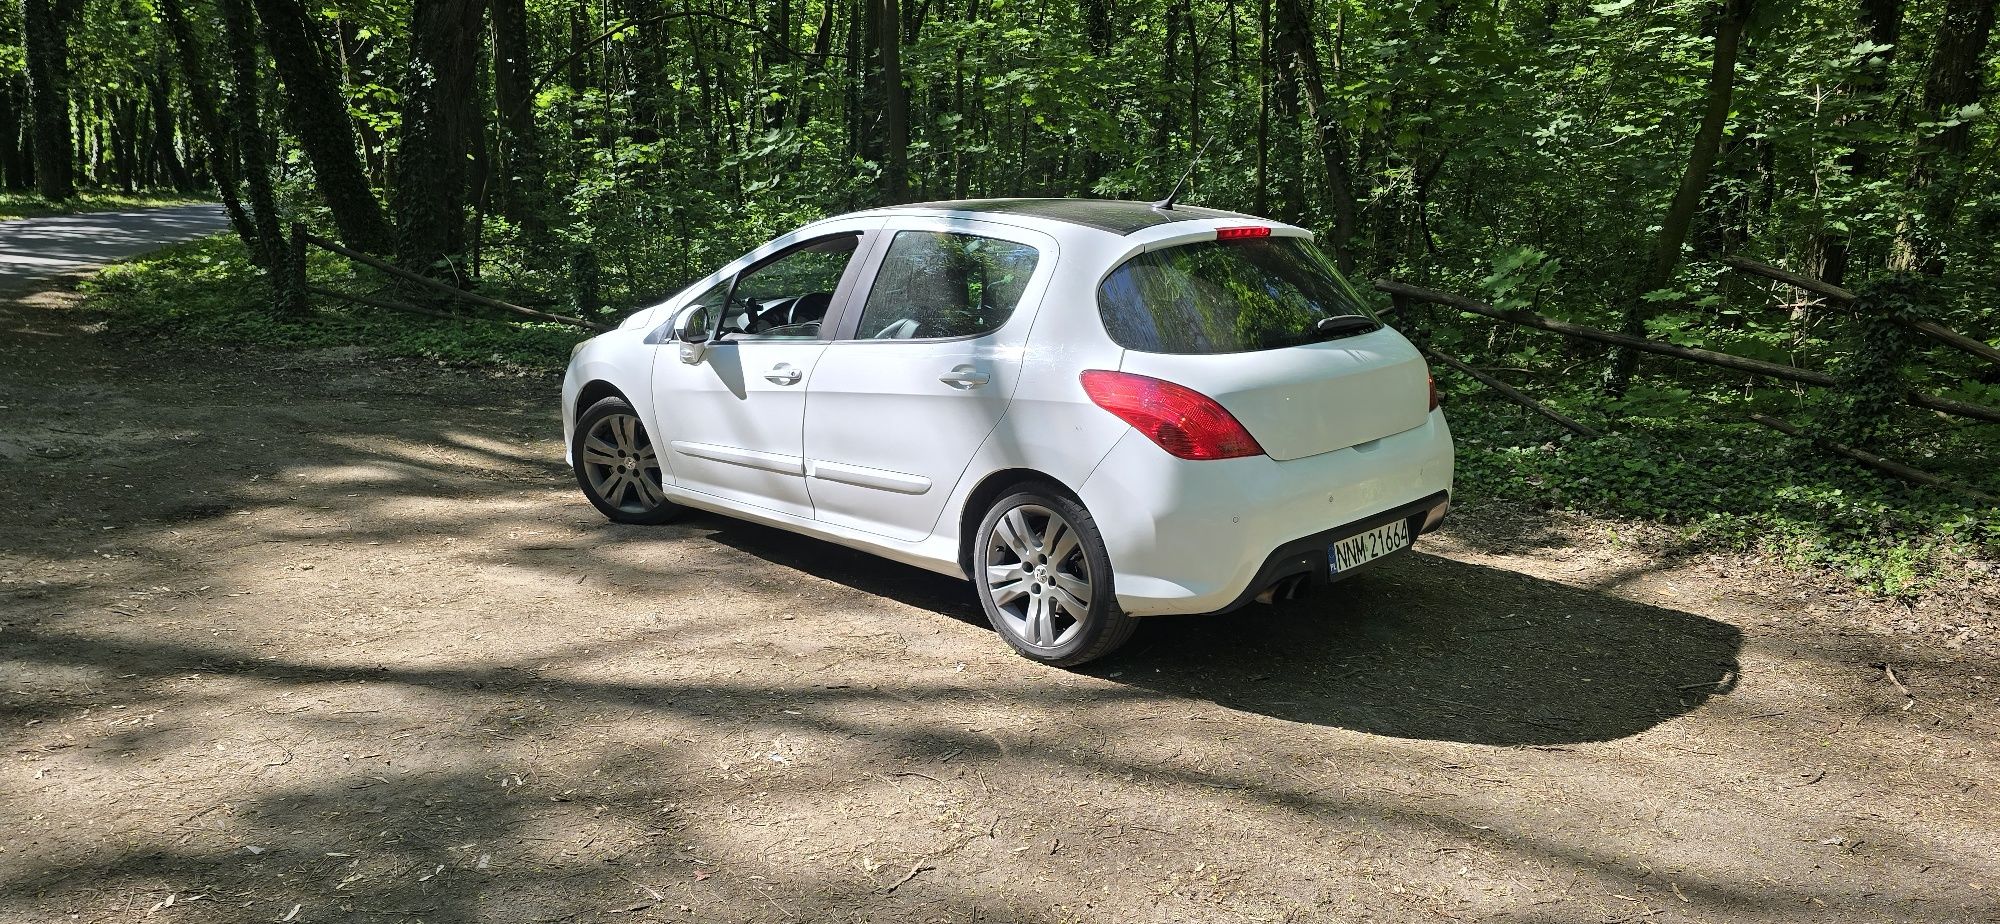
<point x="1594" y="164"/>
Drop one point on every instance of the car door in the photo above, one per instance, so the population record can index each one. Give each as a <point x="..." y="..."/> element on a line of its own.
<point x="921" y="370"/>
<point x="733" y="406"/>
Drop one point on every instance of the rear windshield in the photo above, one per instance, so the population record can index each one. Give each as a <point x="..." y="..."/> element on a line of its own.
<point x="1230" y="297"/>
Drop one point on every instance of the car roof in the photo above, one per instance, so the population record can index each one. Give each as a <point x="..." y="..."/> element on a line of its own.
<point x="1117" y="216"/>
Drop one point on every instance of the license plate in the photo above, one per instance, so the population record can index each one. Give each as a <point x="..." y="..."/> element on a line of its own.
<point x="1357" y="550"/>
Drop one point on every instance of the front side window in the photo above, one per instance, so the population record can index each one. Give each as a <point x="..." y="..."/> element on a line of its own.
<point x="787" y="298"/>
<point x="945" y="284"/>
<point x="1232" y="296"/>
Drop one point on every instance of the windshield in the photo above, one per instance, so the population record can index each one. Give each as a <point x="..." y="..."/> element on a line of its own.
<point x="1229" y="297"/>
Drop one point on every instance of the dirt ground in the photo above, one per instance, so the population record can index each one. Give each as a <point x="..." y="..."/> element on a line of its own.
<point x="305" y="639"/>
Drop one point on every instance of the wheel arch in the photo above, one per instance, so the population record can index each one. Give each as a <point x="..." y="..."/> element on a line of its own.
<point x="991" y="488"/>
<point x="594" y="391"/>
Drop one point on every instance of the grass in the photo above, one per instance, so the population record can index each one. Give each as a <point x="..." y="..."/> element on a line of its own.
<point x="29" y="205"/>
<point x="1722" y="485"/>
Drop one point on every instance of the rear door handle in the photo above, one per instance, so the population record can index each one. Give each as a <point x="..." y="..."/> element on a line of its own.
<point x="964" y="377"/>
<point x="784" y="374"/>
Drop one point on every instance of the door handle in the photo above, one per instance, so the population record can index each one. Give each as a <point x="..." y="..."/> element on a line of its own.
<point x="964" y="377"/>
<point x="784" y="374"/>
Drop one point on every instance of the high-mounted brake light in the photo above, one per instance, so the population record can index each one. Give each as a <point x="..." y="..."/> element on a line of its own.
<point x="1237" y="234"/>
<point x="1434" y="392"/>
<point x="1180" y="420"/>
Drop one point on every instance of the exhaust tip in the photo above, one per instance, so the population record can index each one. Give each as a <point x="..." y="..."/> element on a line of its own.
<point x="1289" y="587"/>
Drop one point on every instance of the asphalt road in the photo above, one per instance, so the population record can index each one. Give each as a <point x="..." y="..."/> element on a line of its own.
<point x="38" y="248"/>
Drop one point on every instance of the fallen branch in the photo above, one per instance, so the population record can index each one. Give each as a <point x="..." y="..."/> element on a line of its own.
<point x="912" y="874"/>
<point x="442" y="288"/>
<point x="1692" y="354"/>
<point x="382" y="303"/>
<point x="1530" y="319"/>
<point x="1874" y="461"/>
<point x="1890" y="670"/>
<point x="1848" y="299"/>
<point x="1796" y="281"/>
<point x="1515" y="395"/>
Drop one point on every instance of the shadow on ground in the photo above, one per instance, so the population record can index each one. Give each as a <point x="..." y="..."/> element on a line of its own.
<point x="1422" y="647"/>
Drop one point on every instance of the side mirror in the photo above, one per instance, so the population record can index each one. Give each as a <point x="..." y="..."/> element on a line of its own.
<point x="694" y="347"/>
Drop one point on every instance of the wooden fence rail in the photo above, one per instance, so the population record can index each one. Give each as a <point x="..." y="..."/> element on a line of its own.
<point x="1692" y="354"/>
<point x="433" y="285"/>
<point x="1515" y="395"/>
<point x="1887" y="466"/>
<point x="1848" y="300"/>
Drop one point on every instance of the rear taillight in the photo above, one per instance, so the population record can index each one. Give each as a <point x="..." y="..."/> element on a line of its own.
<point x="1180" y="420"/>
<point x="1434" y="392"/>
<point x="1243" y="233"/>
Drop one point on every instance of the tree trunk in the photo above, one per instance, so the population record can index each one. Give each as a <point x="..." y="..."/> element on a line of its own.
<point x="440" y="105"/>
<point x="124" y="143"/>
<point x="1298" y="51"/>
<point x="1954" y="80"/>
<point x="522" y="180"/>
<point x="257" y="152"/>
<point x="46" y="34"/>
<point x="1882" y="23"/>
<point x="1168" y="118"/>
<point x="1731" y="18"/>
<point x="216" y="136"/>
<point x="1284" y="130"/>
<point x="1098" y="38"/>
<point x="1261" y="199"/>
<point x="254" y="149"/>
<point x="164" y="147"/>
<point x="885" y="118"/>
<point x="355" y="54"/>
<point x="316" y="109"/>
<point x="11" y="98"/>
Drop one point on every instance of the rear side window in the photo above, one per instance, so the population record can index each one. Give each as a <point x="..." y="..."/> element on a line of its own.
<point x="944" y="284"/>
<point x="1229" y="297"/>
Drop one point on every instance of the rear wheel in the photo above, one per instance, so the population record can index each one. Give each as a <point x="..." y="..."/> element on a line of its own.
<point x="617" y="465"/>
<point x="1045" y="580"/>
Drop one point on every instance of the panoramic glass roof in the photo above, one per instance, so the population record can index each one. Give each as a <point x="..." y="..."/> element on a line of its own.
<point x="1117" y="216"/>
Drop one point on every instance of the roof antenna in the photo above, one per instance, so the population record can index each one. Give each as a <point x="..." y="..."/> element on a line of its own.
<point x="1167" y="204"/>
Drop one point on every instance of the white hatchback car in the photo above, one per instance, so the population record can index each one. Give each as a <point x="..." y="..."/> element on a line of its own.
<point x="1095" y="410"/>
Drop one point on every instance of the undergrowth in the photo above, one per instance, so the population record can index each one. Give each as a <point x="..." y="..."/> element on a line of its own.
<point x="1669" y="456"/>
<point x="32" y="205"/>
<point x="1732" y="485"/>
<point x="207" y="292"/>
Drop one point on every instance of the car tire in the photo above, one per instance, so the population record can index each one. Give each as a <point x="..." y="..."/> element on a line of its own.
<point x="1044" y="580"/>
<point x="617" y="465"/>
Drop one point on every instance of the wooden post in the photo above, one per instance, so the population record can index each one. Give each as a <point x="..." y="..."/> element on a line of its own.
<point x="1874" y="461"/>
<point x="1692" y="354"/>
<point x="297" y="264"/>
<point x="1515" y="394"/>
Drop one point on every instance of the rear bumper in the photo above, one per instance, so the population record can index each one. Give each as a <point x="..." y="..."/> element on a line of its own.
<point x="1202" y="537"/>
<point x="1306" y="558"/>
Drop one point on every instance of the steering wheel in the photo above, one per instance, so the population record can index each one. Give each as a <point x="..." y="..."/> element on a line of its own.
<point x="898" y="330"/>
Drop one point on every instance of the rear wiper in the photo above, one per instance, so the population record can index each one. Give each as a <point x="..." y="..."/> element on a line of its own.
<point x="1342" y="325"/>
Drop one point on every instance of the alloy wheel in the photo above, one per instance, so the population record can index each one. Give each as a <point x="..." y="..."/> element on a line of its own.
<point x="1037" y="576"/>
<point x="623" y="468"/>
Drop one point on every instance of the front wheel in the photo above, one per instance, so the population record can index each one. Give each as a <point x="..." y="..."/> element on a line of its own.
<point x="617" y="465"/>
<point x="1045" y="580"/>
